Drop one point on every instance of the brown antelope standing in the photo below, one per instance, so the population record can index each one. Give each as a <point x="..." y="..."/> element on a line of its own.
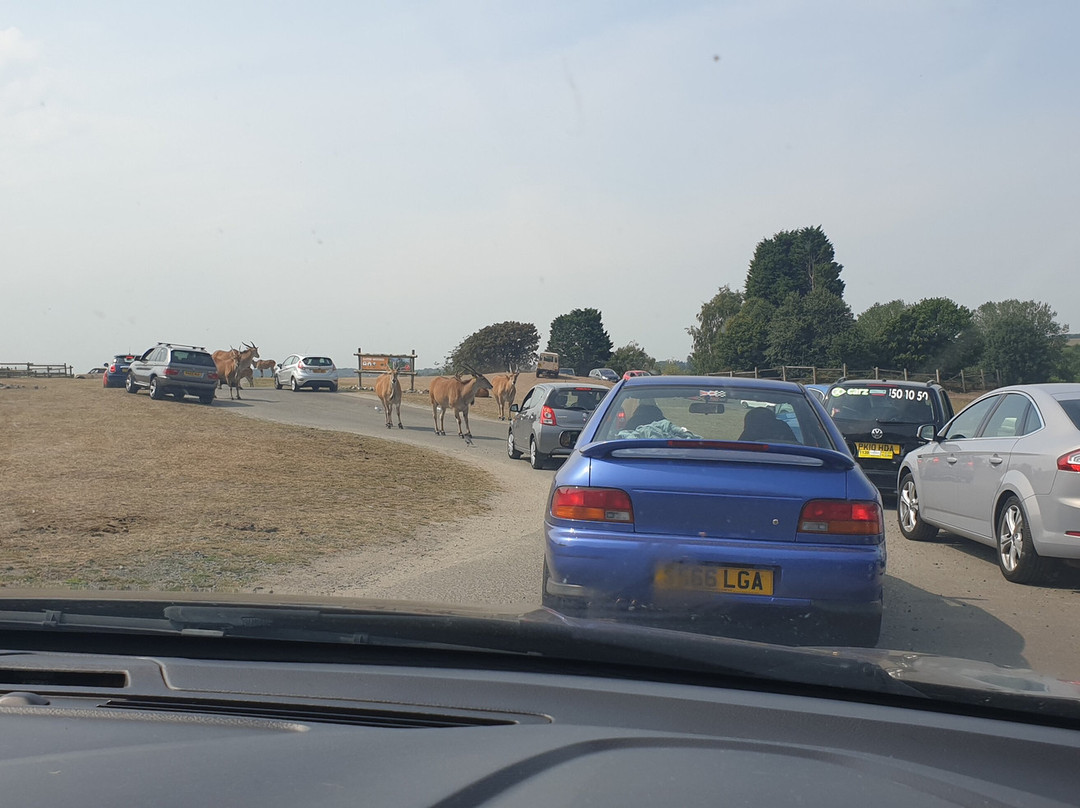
<point x="504" y="389"/>
<point x="232" y="365"/>
<point x="455" y="394"/>
<point x="388" y="389"/>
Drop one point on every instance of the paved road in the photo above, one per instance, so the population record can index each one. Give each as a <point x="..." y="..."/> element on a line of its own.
<point x="945" y="597"/>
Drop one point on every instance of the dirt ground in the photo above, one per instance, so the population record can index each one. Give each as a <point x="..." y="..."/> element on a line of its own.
<point x="102" y="489"/>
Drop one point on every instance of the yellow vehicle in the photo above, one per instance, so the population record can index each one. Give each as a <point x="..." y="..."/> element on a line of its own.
<point x="547" y="365"/>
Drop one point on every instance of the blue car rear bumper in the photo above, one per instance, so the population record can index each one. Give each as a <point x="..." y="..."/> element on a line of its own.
<point x="616" y="572"/>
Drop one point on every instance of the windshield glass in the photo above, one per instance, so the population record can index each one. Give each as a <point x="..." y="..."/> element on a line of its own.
<point x="882" y="403"/>
<point x="719" y="203"/>
<point x="714" y="413"/>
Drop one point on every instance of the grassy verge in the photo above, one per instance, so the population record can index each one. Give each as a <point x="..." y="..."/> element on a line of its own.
<point x="101" y="489"/>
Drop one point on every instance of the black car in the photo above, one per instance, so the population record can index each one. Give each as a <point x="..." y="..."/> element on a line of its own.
<point x="880" y="420"/>
<point x="115" y="372"/>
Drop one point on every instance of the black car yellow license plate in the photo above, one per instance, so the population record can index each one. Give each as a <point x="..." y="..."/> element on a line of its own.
<point x="881" y="451"/>
<point x="683" y="577"/>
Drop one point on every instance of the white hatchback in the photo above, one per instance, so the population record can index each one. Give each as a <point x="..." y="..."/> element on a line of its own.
<point x="306" y="370"/>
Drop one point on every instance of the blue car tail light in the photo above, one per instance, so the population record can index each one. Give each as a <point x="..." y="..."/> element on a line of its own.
<point x="592" y="504"/>
<point x="839" y="518"/>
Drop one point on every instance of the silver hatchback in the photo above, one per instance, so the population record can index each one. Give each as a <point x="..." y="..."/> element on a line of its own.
<point x="306" y="370"/>
<point x="1005" y="472"/>
<point x="549" y="419"/>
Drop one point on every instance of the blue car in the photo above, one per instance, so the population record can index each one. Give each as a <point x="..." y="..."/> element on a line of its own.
<point x="682" y="506"/>
<point x="116" y="371"/>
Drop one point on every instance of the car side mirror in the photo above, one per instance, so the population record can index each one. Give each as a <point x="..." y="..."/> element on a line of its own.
<point x="515" y="408"/>
<point x="927" y="433"/>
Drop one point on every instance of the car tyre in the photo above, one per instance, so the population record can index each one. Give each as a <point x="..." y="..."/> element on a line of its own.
<point x="277" y="382"/>
<point x="511" y="450"/>
<point x="293" y="385"/>
<point x="156" y="392"/>
<point x="333" y="388"/>
<point x="907" y="512"/>
<point x="537" y="459"/>
<point x="1020" y="563"/>
<point x="130" y="386"/>
<point x="206" y="398"/>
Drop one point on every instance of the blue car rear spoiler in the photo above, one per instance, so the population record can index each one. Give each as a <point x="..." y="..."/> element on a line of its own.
<point x="829" y="457"/>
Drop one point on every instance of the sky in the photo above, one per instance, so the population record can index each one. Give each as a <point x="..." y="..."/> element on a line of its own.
<point x="332" y="176"/>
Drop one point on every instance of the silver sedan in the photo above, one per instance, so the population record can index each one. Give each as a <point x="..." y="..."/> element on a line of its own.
<point x="1005" y="472"/>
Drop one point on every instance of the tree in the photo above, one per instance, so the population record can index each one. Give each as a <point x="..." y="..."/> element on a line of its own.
<point x="1020" y="339"/>
<point x="934" y="333"/>
<point x="580" y="340"/>
<point x="1067" y="368"/>
<point x="876" y="328"/>
<point x="631" y="357"/>
<point x="793" y="262"/>
<point x="497" y="347"/>
<point x="811" y="330"/>
<point x="747" y="337"/>
<point x="713" y="321"/>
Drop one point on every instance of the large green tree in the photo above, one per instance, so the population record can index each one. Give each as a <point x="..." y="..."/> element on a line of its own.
<point x="793" y="262"/>
<point x="815" y="329"/>
<point x="1021" y="339"/>
<point x="935" y="333"/>
<point x="746" y="341"/>
<point x="580" y="340"/>
<point x="708" y="335"/>
<point x="877" y="328"/>
<point x="497" y="347"/>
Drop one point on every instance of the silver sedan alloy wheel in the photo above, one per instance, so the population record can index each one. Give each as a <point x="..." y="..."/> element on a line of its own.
<point x="1011" y="537"/>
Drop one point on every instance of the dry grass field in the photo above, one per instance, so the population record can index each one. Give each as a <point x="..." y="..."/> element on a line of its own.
<point x="100" y="490"/>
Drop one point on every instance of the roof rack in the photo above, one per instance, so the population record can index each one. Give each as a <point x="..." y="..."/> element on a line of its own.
<point x="180" y="345"/>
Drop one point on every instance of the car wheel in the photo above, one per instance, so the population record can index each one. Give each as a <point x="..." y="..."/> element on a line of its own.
<point x="536" y="457"/>
<point x="907" y="512"/>
<point x="277" y="382"/>
<point x="156" y="392"/>
<point x="511" y="450"/>
<point x="1017" y="557"/>
<point x="333" y="388"/>
<point x="571" y="607"/>
<point x="293" y="385"/>
<point x="206" y="398"/>
<point x="129" y="384"/>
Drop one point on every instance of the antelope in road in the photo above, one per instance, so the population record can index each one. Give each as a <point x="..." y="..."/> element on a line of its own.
<point x="504" y="389"/>
<point x="233" y="364"/>
<point x="455" y="394"/>
<point x="388" y="389"/>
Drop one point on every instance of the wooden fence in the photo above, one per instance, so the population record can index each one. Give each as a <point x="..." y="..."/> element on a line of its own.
<point x="966" y="381"/>
<point x="13" y="369"/>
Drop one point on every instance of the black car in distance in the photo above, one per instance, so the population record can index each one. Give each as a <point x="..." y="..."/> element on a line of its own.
<point x="880" y="420"/>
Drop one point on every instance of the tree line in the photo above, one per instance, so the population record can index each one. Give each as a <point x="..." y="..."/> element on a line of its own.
<point x="791" y="311"/>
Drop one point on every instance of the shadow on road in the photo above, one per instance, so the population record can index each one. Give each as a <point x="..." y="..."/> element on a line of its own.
<point x="917" y="620"/>
<point x="1063" y="577"/>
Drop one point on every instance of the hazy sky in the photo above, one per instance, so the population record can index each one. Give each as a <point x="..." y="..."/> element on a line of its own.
<point x="324" y="176"/>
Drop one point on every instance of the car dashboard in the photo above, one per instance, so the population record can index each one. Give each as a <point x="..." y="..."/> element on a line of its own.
<point x="94" y="729"/>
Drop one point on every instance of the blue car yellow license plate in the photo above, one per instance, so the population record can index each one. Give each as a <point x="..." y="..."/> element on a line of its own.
<point x="684" y="577"/>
